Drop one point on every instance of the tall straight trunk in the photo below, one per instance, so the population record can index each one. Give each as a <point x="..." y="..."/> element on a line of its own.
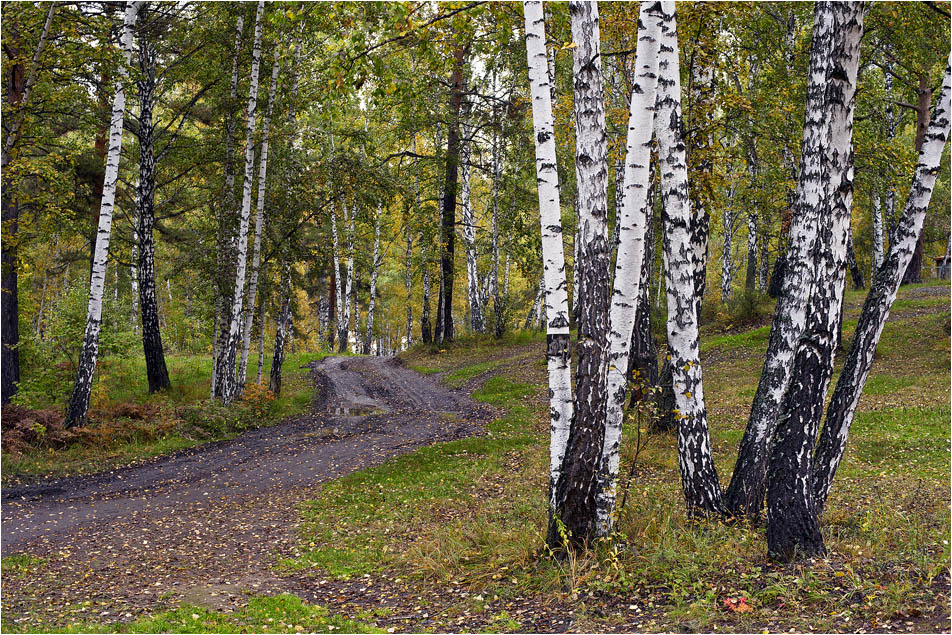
<point x="156" y="371"/>
<point x="408" y="282"/>
<point x="535" y="307"/>
<point x="20" y="86"/>
<point x="882" y="294"/>
<point x="891" y="220"/>
<point x="579" y="484"/>
<point x="477" y="322"/>
<point x="262" y="317"/>
<point x="498" y="310"/>
<point x="348" y="287"/>
<point x="338" y="284"/>
<point x="79" y="401"/>
<point x="913" y="274"/>
<point x="369" y="334"/>
<point x="259" y="225"/>
<point x="793" y="527"/>
<point x="727" y="255"/>
<point x="750" y="275"/>
<point x="438" y="329"/>
<point x="333" y="306"/>
<point x="553" y="257"/>
<point x="643" y="361"/>
<point x="631" y="224"/>
<point x="745" y="494"/>
<point x="426" y="332"/>
<point x="878" y="237"/>
<point x="225" y="373"/>
<point x="227" y="226"/>
<point x="134" y="273"/>
<point x="448" y="224"/>
<point x="281" y="332"/>
<point x="702" y="490"/>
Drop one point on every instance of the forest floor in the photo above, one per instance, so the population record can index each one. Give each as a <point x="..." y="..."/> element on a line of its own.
<point x="447" y="537"/>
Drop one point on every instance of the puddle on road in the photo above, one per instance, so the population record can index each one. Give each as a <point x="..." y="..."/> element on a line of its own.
<point x="356" y="411"/>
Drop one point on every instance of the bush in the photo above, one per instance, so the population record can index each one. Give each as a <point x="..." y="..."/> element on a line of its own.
<point x="744" y="309"/>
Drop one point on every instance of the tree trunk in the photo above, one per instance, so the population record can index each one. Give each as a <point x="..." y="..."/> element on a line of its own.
<point x="793" y="527"/>
<point x="727" y="256"/>
<point x="631" y="223"/>
<point x="79" y="401"/>
<point x="882" y="294"/>
<point x="408" y="282"/>
<point x="368" y="336"/>
<point x="259" y="226"/>
<point x="913" y="274"/>
<point x="878" y="238"/>
<point x="281" y="332"/>
<point x="579" y="482"/>
<point x="426" y="333"/>
<point x="498" y="309"/>
<point x="349" y="287"/>
<point x="477" y="322"/>
<point x="226" y="369"/>
<point x="227" y="228"/>
<point x="702" y="491"/>
<point x="262" y="317"/>
<point x="18" y="96"/>
<point x="156" y="371"/>
<point x="553" y="257"/>
<point x="643" y="363"/>
<point x="746" y="491"/>
<point x="448" y="225"/>
<point x="339" y="296"/>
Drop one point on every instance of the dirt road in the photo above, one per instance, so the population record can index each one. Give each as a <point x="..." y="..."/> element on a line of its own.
<point x="218" y="514"/>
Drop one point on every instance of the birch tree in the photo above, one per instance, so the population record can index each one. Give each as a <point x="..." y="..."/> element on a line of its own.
<point x="477" y="323"/>
<point x="553" y="257"/>
<point x="879" y="300"/>
<point x="745" y="494"/>
<point x="375" y="266"/>
<point x="793" y="527"/>
<point x="579" y="482"/>
<point x="699" y="480"/>
<point x="631" y="222"/>
<point x="259" y="223"/>
<point x="82" y="387"/>
<point x="225" y="373"/>
<point x="156" y="371"/>
<point x="878" y="236"/>
<point x="227" y="225"/>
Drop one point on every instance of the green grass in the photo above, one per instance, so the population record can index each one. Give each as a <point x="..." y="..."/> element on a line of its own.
<point x="474" y="511"/>
<point x="279" y="613"/>
<point x="460" y="376"/>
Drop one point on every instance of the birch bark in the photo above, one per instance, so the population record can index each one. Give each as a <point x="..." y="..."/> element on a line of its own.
<point x="79" y="401"/>
<point x="631" y="223"/>
<point x="553" y="257"/>
<point x="156" y="371"/>
<point x="699" y="480"/>
<point x="259" y="224"/>
<point x="225" y="372"/>
<point x="477" y="323"/>
<point x="369" y="334"/>
<point x="745" y="494"/>
<point x="793" y="528"/>
<point x="882" y="294"/>
<point x="227" y="238"/>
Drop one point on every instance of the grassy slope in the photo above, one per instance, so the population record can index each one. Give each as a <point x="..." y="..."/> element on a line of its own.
<point x="470" y="515"/>
<point x="473" y="512"/>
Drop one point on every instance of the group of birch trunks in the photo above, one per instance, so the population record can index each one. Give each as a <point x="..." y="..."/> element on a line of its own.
<point x="786" y="464"/>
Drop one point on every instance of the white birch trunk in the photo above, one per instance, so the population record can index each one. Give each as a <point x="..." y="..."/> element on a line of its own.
<point x="368" y="336"/>
<point x="553" y="256"/>
<point x="878" y="238"/>
<point x="262" y="316"/>
<point x="631" y="221"/>
<point x="698" y="475"/>
<point x="469" y="237"/>
<point x="746" y="491"/>
<point x="879" y="301"/>
<point x="338" y="281"/>
<point x="349" y="304"/>
<point x="259" y="224"/>
<point x="226" y="369"/>
<point x="82" y="388"/>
